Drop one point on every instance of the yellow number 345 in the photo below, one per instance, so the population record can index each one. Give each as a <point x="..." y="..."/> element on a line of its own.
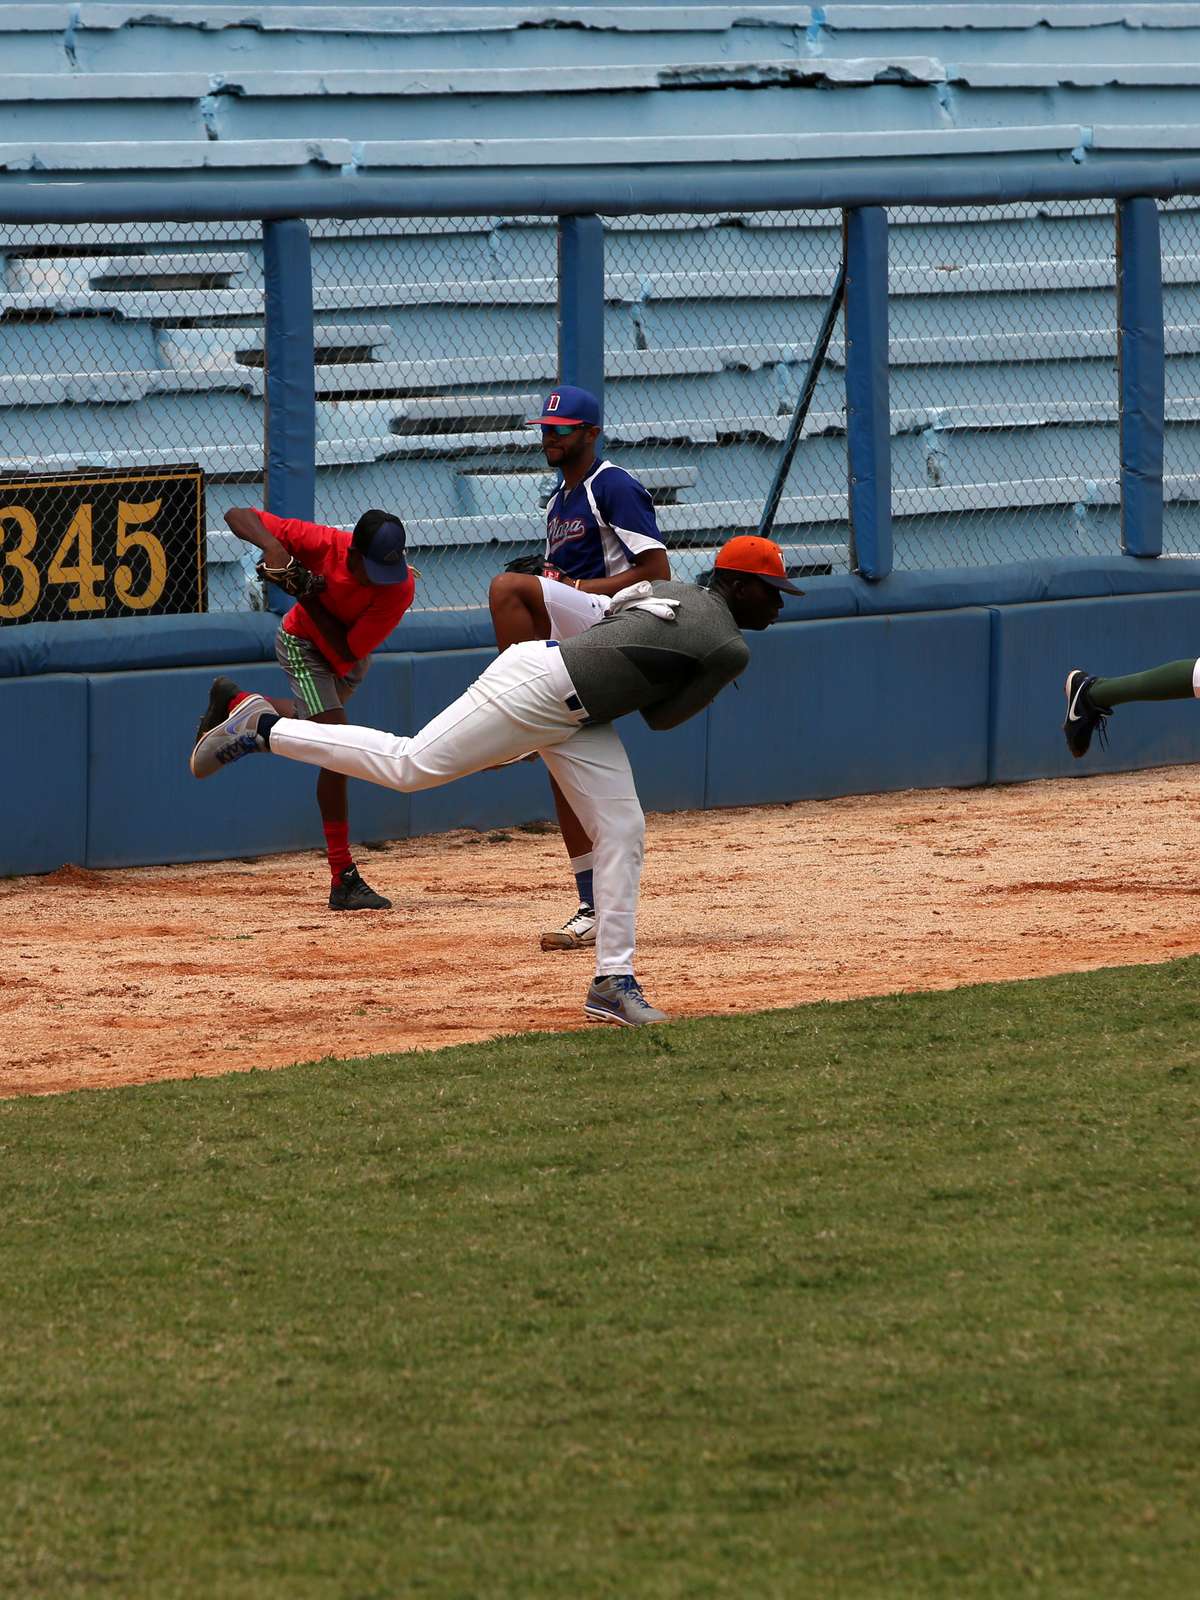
<point x="84" y="573"/>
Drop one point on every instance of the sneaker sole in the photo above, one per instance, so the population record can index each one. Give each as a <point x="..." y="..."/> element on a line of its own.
<point x="594" y="1014"/>
<point x="201" y="761"/>
<point x="198" y="759"/>
<point x="567" y="941"/>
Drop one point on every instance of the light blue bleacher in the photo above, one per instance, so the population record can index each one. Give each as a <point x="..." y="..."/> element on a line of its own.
<point x="196" y="392"/>
<point x="436" y="338"/>
<point x="143" y="342"/>
<point x="706" y="347"/>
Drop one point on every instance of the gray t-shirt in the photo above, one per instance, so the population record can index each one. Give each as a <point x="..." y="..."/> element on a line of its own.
<point x="666" y="670"/>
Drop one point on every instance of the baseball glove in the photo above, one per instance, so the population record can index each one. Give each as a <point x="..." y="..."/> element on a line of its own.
<point x="294" y="579"/>
<point x="538" y="566"/>
<point x="534" y="564"/>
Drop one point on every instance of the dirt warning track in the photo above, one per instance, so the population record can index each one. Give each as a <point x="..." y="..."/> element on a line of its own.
<point x="162" y="972"/>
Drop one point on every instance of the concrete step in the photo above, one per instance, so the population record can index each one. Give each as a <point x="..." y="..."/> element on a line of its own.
<point x="52" y="277"/>
<point x="721" y="518"/>
<point x="190" y="348"/>
<point x="483" y="493"/>
<point x="178" y="36"/>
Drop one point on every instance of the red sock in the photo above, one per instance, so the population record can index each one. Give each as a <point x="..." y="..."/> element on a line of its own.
<point x="337" y="846"/>
<point x="242" y="694"/>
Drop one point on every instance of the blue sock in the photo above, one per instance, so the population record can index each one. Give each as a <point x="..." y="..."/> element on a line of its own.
<point x="583" y="882"/>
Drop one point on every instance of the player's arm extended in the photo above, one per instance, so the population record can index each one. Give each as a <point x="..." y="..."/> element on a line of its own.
<point x="650" y="564"/>
<point x="245" y="522"/>
<point x="713" y="673"/>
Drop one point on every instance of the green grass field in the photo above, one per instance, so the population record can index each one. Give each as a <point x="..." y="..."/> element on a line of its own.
<point x="895" y="1298"/>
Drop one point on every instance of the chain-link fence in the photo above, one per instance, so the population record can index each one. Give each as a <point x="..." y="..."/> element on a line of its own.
<point x="1180" y="240"/>
<point x="131" y="354"/>
<point x="1003" y="383"/>
<point x="137" y="349"/>
<point x="711" y="322"/>
<point x="442" y="338"/>
<point x="436" y="338"/>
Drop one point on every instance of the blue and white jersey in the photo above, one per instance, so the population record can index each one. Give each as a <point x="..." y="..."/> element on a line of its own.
<point x="601" y="525"/>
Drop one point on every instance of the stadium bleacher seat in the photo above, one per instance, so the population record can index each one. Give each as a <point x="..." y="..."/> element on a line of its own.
<point x="143" y="342"/>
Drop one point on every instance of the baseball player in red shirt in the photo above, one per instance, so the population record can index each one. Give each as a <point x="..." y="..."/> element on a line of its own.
<point x="323" y="646"/>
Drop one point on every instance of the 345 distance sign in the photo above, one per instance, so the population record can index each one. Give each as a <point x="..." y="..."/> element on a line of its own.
<point x="119" y="543"/>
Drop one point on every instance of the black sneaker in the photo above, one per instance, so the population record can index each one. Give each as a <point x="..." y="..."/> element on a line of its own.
<point x="352" y="893"/>
<point x="219" y="696"/>
<point x="1083" y="717"/>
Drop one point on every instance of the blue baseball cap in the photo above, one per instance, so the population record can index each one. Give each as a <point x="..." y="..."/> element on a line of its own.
<point x="379" y="538"/>
<point x="568" y="404"/>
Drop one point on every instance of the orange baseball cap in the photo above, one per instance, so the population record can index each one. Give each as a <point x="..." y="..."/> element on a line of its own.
<point x="759" y="558"/>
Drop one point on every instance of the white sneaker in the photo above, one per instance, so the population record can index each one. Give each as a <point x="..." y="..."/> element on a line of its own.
<point x="232" y="739"/>
<point x="577" y="933"/>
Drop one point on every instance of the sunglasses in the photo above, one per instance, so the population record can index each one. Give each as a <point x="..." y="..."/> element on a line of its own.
<point x="560" y="430"/>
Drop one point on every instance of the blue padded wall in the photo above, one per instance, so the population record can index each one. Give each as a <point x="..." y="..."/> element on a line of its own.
<point x="828" y="708"/>
<point x="1034" y="647"/>
<point x="831" y="706"/>
<point x="144" y="805"/>
<point x="43" y="799"/>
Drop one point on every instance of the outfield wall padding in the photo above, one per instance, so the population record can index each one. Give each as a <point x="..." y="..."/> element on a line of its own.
<point x="133" y="644"/>
<point x="1033" y="649"/>
<point x="97" y="770"/>
<point x="44" y="795"/>
<point x="130" y="644"/>
<point x="144" y="806"/>
<point x="828" y="708"/>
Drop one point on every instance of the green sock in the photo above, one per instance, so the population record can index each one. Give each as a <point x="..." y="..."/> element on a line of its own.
<point x="1170" y="682"/>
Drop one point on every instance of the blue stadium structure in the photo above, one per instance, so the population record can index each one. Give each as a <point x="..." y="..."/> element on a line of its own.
<point x="143" y="342"/>
<point x="140" y="339"/>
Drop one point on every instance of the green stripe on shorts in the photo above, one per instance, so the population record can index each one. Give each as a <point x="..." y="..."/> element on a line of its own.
<point x="302" y="676"/>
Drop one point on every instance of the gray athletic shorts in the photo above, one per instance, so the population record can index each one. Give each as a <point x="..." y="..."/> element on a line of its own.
<point x="315" y="684"/>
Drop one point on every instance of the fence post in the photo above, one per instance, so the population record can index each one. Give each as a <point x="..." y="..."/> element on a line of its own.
<point x="581" y="303"/>
<point x="1141" y="377"/>
<point x="868" y="413"/>
<point x="289" y="399"/>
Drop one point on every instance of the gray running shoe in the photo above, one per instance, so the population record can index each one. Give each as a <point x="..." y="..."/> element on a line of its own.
<point x="577" y="933"/>
<point x="1083" y="717"/>
<point x="620" y="999"/>
<point x="353" y="893"/>
<point x="232" y="739"/>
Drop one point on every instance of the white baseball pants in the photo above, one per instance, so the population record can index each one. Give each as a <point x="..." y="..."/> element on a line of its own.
<point x="523" y="702"/>
<point x="571" y="610"/>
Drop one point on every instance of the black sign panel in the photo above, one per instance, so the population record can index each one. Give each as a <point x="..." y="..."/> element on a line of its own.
<point x="122" y="543"/>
